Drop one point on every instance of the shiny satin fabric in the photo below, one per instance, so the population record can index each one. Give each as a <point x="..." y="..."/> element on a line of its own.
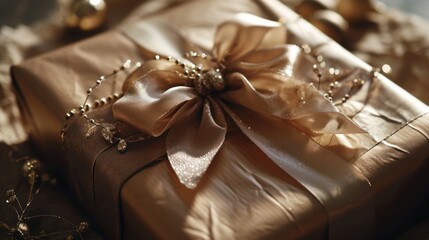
<point x="258" y="73"/>
<point x="244" y="179"/>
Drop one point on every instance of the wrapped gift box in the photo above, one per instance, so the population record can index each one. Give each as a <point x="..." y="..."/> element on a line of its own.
<point x="243" y="194"/>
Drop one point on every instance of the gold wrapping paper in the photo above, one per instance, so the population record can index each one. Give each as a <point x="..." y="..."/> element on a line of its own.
<point x="244" y="185"/>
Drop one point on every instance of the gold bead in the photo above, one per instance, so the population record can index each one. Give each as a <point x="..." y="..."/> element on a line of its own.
<point x="358" y="83"/>
<point x="30" y="166"/>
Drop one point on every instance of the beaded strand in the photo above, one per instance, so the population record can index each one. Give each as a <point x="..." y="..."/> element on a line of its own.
<point x="335" y="75"/>
<point x="108" y="130"/>
<point x="204" y="81"/>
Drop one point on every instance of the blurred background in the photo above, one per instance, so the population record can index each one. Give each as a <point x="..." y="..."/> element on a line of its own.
<point x="419" y="7"/>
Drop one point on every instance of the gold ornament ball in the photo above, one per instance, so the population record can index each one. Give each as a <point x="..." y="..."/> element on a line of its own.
<point x="330" y="23"/>
<point x="355" y="10"/>
<point x="87" y="15"/>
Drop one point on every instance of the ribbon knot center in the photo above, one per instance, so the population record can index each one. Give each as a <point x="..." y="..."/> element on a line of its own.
<point x="209" y="81"/>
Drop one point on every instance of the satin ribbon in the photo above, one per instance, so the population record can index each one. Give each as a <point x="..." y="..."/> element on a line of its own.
<point x="264" y="78"/>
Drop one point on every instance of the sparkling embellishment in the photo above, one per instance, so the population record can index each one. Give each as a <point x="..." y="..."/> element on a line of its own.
<point x="31" y="165"/>
<point x="10" y="196"/>
<point x="91" y="131"/>
<point x="122" y="145"/>
<point x="205" y="81"/>
<point x="83" y="226"/>
<point x="209" y="81"/>
<point x="108" y="132"/>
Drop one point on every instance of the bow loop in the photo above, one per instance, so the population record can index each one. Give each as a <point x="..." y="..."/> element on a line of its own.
<point x="154" y="102"/>
<point x="246" y="34"/>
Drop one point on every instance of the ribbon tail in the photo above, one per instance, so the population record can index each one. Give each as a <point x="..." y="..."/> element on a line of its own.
<point x="193" y="142"/>
<point x="338" y="186"/>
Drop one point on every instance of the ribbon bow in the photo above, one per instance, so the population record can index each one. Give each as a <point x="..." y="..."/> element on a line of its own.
<point x="251" y="74"/>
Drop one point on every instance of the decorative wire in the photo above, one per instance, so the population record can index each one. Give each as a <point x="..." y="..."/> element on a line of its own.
<point x="36" y="180"/>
